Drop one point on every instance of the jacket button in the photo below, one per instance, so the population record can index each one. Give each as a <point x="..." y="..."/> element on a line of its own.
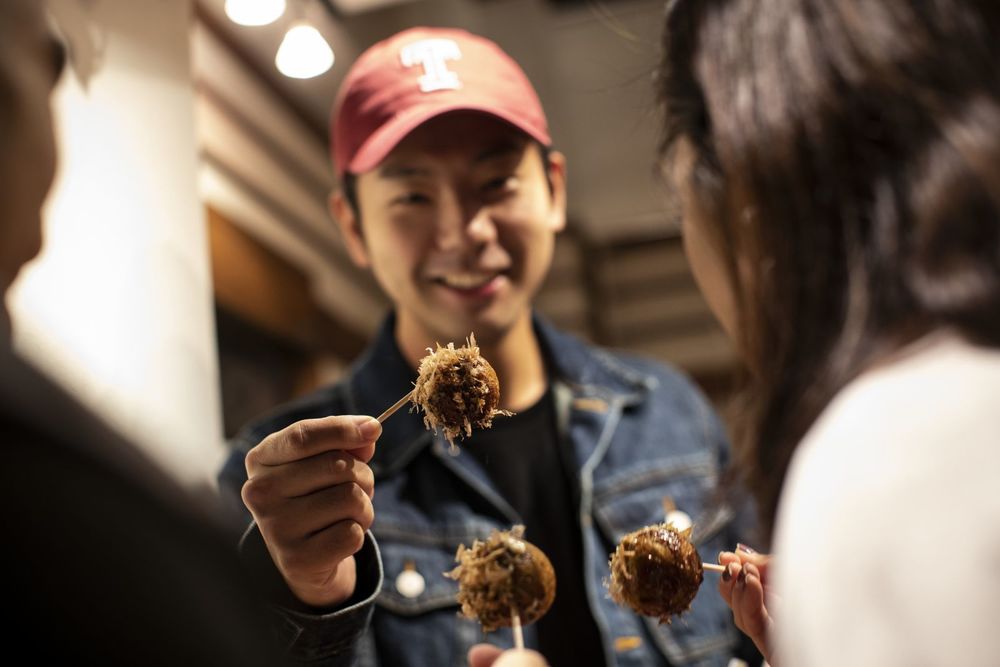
<point x="410" y="583"/>
<point x="678" y="519"/>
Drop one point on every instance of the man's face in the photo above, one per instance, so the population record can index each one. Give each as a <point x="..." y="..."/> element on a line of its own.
<point x="458" y="225"/>
<point x="30" y="63"/>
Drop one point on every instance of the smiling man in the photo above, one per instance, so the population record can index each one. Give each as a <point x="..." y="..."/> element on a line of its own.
<point x="451" y="194"/>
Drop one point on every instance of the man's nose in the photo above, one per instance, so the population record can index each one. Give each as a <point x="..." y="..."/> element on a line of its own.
<point x="481" y="227"/>
<point x="463" y="224"/>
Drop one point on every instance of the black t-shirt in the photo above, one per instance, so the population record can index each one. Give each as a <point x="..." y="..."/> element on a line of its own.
<point x="528" y="464"/>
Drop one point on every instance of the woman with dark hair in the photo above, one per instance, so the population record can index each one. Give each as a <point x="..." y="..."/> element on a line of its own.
<point x="839" y="167"/>
<point x="838" y="162"/>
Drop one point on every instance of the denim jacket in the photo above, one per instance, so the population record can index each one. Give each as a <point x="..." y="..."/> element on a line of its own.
<point x="642" y="435"/>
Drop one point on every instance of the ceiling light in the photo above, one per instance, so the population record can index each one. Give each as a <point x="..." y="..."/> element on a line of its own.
<point x="254" y="12"/>
<point x="303" y="53"/>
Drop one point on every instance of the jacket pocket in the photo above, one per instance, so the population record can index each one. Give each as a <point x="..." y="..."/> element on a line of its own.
<point x="414" y="565"/>
<point x="416" y="621"/>
<point x="634" y="496"/>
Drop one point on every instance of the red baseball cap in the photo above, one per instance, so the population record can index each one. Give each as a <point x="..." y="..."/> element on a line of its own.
<point x="418" y="74"/>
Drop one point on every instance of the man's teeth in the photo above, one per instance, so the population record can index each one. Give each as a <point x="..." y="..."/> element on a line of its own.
<point x="467" y="280"/>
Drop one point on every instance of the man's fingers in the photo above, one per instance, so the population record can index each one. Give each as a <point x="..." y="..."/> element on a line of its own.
<point x="322" y="551"/>
<point x="345" y="501"/>
<point x="272" y="484"/>
<point x="363" y="453"/>
<point x="296" y="518"/>
<point x="310" y="437"/>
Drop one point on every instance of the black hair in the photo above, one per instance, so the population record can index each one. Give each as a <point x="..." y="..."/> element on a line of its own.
<point x="849" y="152"/>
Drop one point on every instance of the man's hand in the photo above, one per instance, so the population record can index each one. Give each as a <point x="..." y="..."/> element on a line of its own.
<point x="309" y="489"/>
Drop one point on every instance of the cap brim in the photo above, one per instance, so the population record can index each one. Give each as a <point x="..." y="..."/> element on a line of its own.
<point x="387" y="137"/>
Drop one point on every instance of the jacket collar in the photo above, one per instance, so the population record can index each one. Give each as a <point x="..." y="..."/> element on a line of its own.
<point x="590" y="371"/>
<point x="382" y="375"/>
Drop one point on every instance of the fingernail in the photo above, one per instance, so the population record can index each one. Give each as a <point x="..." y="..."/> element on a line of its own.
<point x="728" y="573"/>
<point x="720" y="557"/>
<point x="368" y="428"/>
<point x="745" y="549"/>
<point x="741" y="578"/>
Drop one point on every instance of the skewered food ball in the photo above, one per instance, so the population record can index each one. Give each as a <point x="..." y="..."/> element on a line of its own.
<point x="656" y="571"/>
<point x="503" y="575"/>
<point x="457" y="389"/>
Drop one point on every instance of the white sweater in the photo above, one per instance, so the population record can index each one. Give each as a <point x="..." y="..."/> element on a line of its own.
<point x="887" y="539"/>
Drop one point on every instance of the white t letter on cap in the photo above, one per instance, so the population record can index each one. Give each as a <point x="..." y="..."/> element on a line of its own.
<point x="433" y="55"/>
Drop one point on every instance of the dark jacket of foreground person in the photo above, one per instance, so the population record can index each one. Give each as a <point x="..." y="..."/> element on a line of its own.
<point x="110" y="562"/>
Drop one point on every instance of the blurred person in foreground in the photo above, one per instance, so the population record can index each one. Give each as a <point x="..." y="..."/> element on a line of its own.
<point x="839" y="167"/>
<point x="109" y="562"/>
<point x="451" y="194"/>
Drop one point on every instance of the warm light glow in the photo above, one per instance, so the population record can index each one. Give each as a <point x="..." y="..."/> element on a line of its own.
<point x="254" y="12"/>
<point x="303" y="53"/>
<point x="118" y="307"/>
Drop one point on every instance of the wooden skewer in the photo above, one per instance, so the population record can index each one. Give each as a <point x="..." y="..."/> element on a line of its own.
<point x="395" y="406"/>
<point x="713" y="567"/>
<point x="518" y="635"/>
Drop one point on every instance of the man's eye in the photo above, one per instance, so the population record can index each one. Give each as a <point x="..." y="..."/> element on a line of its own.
<point x="411" y="198"/>
<point x="500" y="184"/>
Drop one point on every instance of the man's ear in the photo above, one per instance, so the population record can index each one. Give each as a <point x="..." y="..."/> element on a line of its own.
<point x="350" y="227"/>
<point x="556" y="168"/>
